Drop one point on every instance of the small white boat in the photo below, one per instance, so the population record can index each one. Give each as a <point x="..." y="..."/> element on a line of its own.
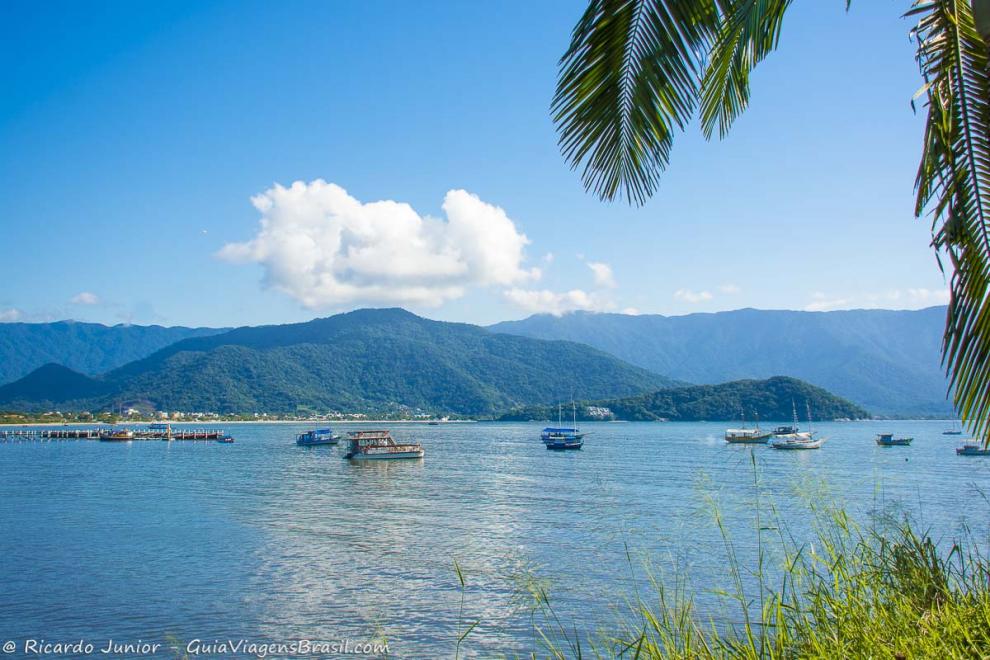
<point x="797" y="441"/>
<point x="802" y="440"/>
<point x="972" y="448"/>
<point x="379" y="445"/>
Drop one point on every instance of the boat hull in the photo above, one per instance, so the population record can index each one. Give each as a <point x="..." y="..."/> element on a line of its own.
<point x="971" y="451"/>
<point x="317" y="443"/>
<point x="797" y="441"/>
<point x="797" y="446"/>
<point x="899" y="442"/>
<point x="755" y="440"/>
<point x="564" y="446"/>
<point x="384" y="456"/>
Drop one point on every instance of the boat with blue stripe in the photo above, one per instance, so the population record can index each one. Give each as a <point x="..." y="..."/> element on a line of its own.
<point x="317" y="437"/>
<point x="561" y="437"/>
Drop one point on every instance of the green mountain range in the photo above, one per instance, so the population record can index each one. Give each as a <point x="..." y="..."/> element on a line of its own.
<point x="369" y="360"/>
<point x="887" y="361"/>
<point x="771" y="399"/>
<point x="89" y="348"/>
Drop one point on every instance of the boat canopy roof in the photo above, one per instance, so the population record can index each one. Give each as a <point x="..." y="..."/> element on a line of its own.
<point x="553" y="429"/>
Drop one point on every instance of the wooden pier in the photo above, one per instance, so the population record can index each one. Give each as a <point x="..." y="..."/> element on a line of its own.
<point x="166" y="433"/>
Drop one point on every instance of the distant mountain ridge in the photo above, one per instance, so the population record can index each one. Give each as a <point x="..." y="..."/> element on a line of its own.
<point x="771" y="399"/>
<point x="369" y="359"/>
<point x="887" y="361"/>
<point x="89" y="348"/>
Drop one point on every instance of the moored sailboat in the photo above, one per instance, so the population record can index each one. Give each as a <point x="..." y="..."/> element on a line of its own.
<point x="560" y="437"/>
<point x="803" y="440"/>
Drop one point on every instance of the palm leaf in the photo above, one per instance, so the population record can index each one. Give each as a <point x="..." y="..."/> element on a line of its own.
<point x="749" y="30"/>
<point x="953" y="186"/>
<point x="636" y="70"/>
<point x="630" y="75"/>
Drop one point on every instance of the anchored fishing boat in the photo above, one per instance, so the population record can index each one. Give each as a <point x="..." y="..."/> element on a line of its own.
<point x="120" y="435"/>
<point x="746" y="435"/>
<point x="888" y="440"/>
<point x="226" y="440"/>
<point x="379" y="445"/>
<point x="317" y="437"/>
<point x="561" y="437"/>
<point x="972" y="448"/>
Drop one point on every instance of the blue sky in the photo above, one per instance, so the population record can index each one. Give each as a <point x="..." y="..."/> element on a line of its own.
<point x="133" y="137"/>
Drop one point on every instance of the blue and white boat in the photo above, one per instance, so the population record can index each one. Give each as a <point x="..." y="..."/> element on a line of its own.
<point x="888" y="440"/>
<point x="561" y="437"/>
<point x="317" y="437"/>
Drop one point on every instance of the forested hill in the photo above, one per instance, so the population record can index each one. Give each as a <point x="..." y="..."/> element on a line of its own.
<point x="771" y="399"/>
<point x="885" y="360"/>
<point x="89" y="348"/>
<point x="368" y="360"/>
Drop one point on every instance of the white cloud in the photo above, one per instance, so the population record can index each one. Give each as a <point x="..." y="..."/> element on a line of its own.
<point x="823" y="303"/>
<point x="553" y="302"/>
<point x="692" y="297"/>
<point x="603" y="274"/>
<point x="892" y="299"/>
<point x="10" y="315"/>
<point x="85" y="298"/>
<point x="928" y="297"/>
<point x="325" y="248"/>
<point x="729" y="289"/>
<point x="631" y="311"/>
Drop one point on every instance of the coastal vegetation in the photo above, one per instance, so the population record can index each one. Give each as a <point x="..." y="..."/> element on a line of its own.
<point x="771" y="399"/>
<point x="882" y="591"/>
<point x="636" y="70"/>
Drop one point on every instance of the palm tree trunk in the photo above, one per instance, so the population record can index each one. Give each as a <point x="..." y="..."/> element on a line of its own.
<point x="981" y="16"/>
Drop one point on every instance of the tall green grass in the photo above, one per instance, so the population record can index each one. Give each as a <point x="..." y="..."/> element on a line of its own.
<point x="885" y="591"/>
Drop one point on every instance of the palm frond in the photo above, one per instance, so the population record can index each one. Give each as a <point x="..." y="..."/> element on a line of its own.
<point x="953" y="186"/>
<point x="749" y="31"/>
<point x="630" y="76"/>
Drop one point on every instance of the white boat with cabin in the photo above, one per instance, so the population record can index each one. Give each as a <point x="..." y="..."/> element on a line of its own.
<point x="379" y="445"/>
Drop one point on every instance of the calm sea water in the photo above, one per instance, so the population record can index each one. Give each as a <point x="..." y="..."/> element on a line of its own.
<point x="264" y="540"/>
